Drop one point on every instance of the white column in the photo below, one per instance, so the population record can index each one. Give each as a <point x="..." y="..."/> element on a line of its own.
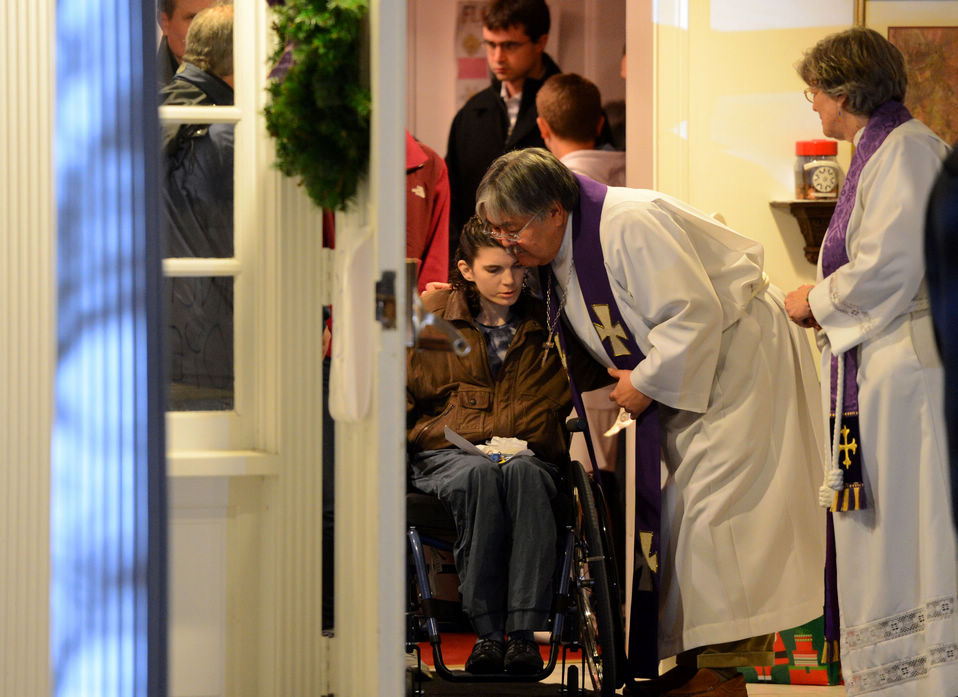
<point x="27" y="306"/>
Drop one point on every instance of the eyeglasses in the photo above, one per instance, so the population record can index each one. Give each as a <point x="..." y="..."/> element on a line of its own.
<point x="497" y="233"/>
<point x="810" y="93"/>
<point x="506" y="46"/>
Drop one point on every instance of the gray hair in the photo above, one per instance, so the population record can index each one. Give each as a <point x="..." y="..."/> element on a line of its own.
<point x="209" y="41"/>
<point x="858" y="63"/>
<point x="525" y="182"/>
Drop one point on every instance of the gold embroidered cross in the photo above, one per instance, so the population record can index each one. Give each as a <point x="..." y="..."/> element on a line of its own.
<point x="846" y="446"/>
<point x="613" y="332"/>
<point x="647" y="560"/>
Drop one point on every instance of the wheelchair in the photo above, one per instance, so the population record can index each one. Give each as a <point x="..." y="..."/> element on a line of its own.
<point x="584" y="618"/>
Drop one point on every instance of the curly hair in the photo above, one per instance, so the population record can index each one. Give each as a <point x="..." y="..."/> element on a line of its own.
<point x="857" y="63"/>
<point x="475" y="236"/>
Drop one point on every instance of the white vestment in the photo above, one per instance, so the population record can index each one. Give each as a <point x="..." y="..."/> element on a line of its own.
<point x="605" y="166"/>
<point x="897" y="559"/>
<point x="742" y="538"/>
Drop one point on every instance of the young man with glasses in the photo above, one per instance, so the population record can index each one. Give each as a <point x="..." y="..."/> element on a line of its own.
<point x="174" y="17"/>
<point x="501" y="117"/>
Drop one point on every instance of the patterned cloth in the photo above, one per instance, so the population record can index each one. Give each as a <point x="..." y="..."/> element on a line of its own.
<point x="498" y="339"/>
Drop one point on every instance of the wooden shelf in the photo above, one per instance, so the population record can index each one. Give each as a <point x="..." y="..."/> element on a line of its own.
<point x="813" y="217"/>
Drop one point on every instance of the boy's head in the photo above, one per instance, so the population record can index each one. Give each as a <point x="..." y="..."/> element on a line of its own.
<point x="571" y="107"/>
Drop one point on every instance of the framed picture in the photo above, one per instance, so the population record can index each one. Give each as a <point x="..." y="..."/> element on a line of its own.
<point x="926" y="32"/>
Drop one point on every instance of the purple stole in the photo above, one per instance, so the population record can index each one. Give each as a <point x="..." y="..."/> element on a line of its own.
<point x="625" y="354"/>
<point x="834" y="253"/>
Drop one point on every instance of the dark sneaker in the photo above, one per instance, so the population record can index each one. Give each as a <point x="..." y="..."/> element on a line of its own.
<point x="522" y="657"/>
<point x="486" y="657"/>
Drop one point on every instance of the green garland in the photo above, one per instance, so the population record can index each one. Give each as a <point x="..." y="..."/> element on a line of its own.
<point x="319" y="112"/>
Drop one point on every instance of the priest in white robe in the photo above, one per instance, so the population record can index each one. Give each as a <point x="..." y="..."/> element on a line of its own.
<point x="896" y="561"/>
<point x="733" y="382"/>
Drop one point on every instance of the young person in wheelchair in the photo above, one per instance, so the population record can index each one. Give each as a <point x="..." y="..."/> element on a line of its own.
<point x="505" y="551"/>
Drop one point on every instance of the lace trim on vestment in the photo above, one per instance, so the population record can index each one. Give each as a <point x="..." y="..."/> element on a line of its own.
<point x="902" y="624"/>
<point x="846" y="308"/>
<point x="900" y="672"/>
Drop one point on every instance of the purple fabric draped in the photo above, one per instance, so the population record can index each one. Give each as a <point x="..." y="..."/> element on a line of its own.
<point x="883" y="121"/>
<point x="834" y="253"/>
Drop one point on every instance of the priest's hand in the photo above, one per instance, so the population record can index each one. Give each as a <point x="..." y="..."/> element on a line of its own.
<point x="798" y="309"/>
<point x="626" y="396"/>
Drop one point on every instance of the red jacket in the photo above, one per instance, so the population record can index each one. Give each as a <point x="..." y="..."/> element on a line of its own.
<point x="427" y="212"/>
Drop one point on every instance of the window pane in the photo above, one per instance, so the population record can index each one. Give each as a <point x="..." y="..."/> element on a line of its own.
<point x="198" y="189"/>
<point x="200" y="343"/>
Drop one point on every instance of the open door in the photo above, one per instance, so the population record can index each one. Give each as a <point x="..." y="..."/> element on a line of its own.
<point x="368" y="390"/>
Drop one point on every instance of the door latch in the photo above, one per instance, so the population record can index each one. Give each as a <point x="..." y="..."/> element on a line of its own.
<point x="386" y="300"/>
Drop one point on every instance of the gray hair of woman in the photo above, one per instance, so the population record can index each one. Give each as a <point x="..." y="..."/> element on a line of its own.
<point x="523" y="183"/>
<point x="858" y="63"/>
<point x="209" y="40"/>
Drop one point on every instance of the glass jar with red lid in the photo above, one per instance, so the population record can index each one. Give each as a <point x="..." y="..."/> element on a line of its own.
<point x="817" y="174"/>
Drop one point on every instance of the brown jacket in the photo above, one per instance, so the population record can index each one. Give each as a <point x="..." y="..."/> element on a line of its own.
<point x="526" y="400"/>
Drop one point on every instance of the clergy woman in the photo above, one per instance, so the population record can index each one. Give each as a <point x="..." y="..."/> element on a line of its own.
<point x="887" y="484"/>
<point x="727" y="546"/>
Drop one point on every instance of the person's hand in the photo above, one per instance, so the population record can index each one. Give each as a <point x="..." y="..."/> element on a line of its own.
<point x="626" y="396"/>
<point x="798" y="309"/>
<point x="437" y="285"/>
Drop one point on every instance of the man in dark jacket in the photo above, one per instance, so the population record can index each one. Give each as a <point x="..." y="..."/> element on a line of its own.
<point x="941" y="257"/>
<point x="501" y="117"/>
<point x="198" y="209"/>
<point x="199" y="157"/>
<point x="174" y="17"/>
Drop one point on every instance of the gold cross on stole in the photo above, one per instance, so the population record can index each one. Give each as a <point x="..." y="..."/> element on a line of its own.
<point x="846" y="446"/>
<point x="613" y="332"/>
<point x="646" y="560"/>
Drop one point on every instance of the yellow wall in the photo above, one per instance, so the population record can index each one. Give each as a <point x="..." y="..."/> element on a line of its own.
<point x="729" y="108"/>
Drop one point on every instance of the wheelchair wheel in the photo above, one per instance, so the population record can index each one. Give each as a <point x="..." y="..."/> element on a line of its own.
<point x="593" y="570"/>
